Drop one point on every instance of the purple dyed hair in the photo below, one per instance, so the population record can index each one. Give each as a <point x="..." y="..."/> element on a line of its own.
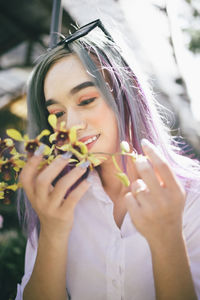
<point x="138" y="113"/>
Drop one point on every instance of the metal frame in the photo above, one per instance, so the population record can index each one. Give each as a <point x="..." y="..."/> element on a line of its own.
<point x="56" y="22"/>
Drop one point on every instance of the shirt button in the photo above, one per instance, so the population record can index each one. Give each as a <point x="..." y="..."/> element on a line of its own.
<point x="114" y="282"/>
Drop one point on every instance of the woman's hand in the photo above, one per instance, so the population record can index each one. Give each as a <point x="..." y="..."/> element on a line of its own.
<point x="156" y="201"/>
<point x="55" y="212"/>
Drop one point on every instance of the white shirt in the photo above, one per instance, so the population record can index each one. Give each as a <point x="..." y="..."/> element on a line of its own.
<point x="108" y="263"/>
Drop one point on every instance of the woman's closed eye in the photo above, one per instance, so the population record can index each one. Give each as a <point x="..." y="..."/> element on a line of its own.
<point x="86" y="101"/>
<point x="57" y="113"/>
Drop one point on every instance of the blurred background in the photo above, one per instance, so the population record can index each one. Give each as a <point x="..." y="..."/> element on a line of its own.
<point x="162" y="35"/>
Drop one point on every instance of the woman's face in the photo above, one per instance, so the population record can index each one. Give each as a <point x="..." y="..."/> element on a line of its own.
<point x="73" y="97"/>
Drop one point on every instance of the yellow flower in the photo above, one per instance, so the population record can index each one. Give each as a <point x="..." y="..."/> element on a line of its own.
<point x="11" y="167"/>
<point x="30" y="145"/>
<point x="7" y="191"/>
<point x="5" y="144"/>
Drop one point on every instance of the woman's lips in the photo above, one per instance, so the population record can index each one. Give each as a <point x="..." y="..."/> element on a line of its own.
<point x="89" y="141"/>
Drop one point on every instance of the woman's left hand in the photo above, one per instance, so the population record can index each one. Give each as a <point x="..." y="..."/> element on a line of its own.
<point x="157" y="199"/>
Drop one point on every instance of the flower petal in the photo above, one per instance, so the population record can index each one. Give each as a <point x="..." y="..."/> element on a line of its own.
<point x="52" y="119"/>
<point x="13" y="187"/>
<point x="73" y="160"/>
<point x="52" y="137"/>
<point x="63" y="126"/>
<point x="125" y="146"/>
<point x="73" y="135"/>
<point x="95" y="161"/>
<point x="47" y="150"/>
<point x="65" y="147"/>
<point x="14" y="134"/>
<point x="43" y="133"/>
<point x="9" y="142"/>
<point x="83" y="147"/>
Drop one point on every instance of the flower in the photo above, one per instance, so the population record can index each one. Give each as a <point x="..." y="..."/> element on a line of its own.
<point x="30" y="145"/>
<point x="10" y="167"/>
<point x="5" y="144"/>
<point x="8" y="191"/>
<point x="125" y="147"/>
<point x="61" y="134"/>
<point x="62" y="141"/>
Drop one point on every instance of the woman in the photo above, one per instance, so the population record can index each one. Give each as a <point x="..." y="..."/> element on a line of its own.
<point x="105" y="240"/>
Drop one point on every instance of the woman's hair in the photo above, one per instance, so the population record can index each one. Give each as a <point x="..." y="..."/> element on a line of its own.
<point x="139" y="115"/>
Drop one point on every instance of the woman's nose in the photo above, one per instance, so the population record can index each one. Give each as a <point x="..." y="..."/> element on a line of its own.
<point x="75" y="118"/>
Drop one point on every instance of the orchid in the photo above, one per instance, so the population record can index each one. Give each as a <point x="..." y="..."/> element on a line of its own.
<point x="7" y="191"/>
<point x="5" y="144"/>
<point x="30" y="145"/>
<point x="62" y="141"/>
<point x="11" y="167"/>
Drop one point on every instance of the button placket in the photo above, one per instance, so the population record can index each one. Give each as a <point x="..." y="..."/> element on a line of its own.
<point x="114" y="265"/>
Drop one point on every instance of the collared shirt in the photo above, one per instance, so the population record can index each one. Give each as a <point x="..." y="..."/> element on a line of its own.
<point x="108" y="263"/>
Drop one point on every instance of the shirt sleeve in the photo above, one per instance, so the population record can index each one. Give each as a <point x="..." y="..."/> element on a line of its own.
<point x="30" y="256"/>
<point x="191" y="231"/>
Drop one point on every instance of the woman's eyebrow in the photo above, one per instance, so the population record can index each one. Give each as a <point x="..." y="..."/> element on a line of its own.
<point x="50" y="102"/>
<point x="73" y="91"/>
<point x="81" y="86"/>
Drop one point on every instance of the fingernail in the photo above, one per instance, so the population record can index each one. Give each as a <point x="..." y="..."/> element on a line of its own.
<point x="84" y="165"/>
<point x="141" y="159"/>
<point x="145" y="142"/>
<point x="66" y="155"/>
<point x="39" y="150"/>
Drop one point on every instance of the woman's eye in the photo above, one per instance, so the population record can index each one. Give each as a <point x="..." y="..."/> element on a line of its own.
<point x="87" y="101"/>
<point x="59" y="114"/>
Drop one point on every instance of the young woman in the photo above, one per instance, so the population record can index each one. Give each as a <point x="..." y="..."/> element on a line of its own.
<point x="105" y="240"/>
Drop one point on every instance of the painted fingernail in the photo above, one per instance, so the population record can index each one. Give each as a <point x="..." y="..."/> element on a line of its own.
<point x="39" y="150"/>
<point x="145" y="142"/>
<point x="141" y="163"/>
<point x="84" y="165"/>
<point x="66" y="155"/>
<point x="141" y="159"/>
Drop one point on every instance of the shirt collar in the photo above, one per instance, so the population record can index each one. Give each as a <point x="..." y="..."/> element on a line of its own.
<point x="97" y="187"/>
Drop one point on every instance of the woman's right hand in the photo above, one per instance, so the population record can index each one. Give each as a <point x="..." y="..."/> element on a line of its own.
<point x="55" y="213"/>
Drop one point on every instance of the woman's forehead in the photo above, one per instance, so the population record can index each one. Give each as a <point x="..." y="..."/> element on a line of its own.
<point x="67" y="65"/>
<point x="67" y="72"/>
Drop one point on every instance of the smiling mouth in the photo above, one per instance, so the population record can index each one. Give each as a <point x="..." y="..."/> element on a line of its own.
<point x="90" y="140"/>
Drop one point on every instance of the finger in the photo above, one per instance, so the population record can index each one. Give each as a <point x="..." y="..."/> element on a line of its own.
<point x="147" y="174"/>
<point x="140" y="192"/>
<point x="65" y="183"/>
<point x="138" y="186"/>
<point x="28" y="173"/>
<point x="73" y="198"/>
<point x="132" y="206"/>
<point x="160" y="164"/>
<point x="45" y="178"/>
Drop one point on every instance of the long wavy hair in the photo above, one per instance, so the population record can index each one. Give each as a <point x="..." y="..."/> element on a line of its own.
<point x="138" y="113"/>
